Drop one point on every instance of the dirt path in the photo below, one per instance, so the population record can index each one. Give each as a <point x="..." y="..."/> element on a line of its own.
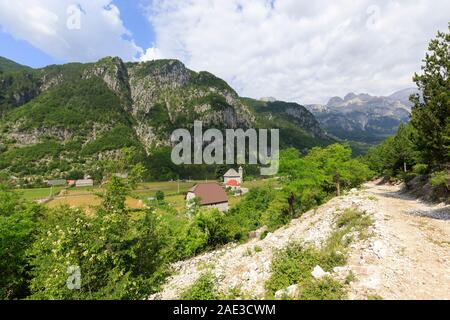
<point x="408" y="256"/>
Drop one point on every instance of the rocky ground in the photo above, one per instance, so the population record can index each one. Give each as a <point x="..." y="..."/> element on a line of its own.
<point x="407" y="256"/>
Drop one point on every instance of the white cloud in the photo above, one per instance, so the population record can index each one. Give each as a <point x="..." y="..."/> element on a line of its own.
<point x="300" y="50"/>
<point x="151" y="54"/>
<point x="49" y="26"/>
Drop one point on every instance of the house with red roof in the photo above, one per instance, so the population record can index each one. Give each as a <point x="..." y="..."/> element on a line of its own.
<point x="210" y="195"/>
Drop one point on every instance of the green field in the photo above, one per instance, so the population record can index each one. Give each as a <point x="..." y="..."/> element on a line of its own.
<point x="86" y="197"/>
<point x="39" y="193"/>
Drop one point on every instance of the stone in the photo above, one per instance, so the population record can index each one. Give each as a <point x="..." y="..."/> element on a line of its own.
<point x="292" y="291"/>
<point x="280" y="294"/>
<point x="319" y="273"/>
<point x="258" y="233"/>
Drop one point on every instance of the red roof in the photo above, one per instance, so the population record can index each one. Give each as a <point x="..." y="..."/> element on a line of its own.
<point x="233" y="183"/>
<point x="210" y="193"/>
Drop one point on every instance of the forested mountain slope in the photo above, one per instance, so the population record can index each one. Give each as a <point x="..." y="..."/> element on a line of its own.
<point x="62" y="119"/>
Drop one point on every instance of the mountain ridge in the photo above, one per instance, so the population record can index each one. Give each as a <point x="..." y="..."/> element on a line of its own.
<point x="363" y="117"/>
<point x="65" y="118"/>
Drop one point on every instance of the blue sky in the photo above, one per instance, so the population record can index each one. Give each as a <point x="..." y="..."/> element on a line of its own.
<point x="133" y="17"/>
<point x="294" y="50"/>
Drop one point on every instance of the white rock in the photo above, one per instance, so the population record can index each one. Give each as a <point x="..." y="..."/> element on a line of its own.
<point x="379" y="249"/>
<point x="318" y="273"/>
<point x="280" y="294"/>
<point x="292" y="291"/>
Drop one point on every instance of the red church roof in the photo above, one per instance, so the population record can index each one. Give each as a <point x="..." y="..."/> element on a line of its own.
<point x="233" y="183"/>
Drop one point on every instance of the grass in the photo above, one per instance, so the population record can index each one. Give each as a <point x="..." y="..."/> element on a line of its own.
<point x="85" y="197"/>
<point x="39" y="193"/>
<point x="202" y="289"/>
<point x="294" y="263"/>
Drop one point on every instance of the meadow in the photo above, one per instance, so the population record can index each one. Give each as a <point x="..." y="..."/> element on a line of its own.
<point x="85" y="197"/>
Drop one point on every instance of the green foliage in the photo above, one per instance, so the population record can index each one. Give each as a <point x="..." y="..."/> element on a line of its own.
<point x="7" y="65"/>
<point x="294" y="264"/>
<point x="203" y="289"/>
<point x="423" y="146"/>
<point x="395" y="156"/>
<point x="119" y="258"/>
<point x="71" y="105"/>
<point x="309" y="180"/>
<point x="441" y="179"/>
<point x="212" y="224"/>
<point x="420" y="168"/>
<point x="159" y="195"/>
<point x="431" y="112"/>
<point x="18" y="222"/>
<point x="116" y="139"/>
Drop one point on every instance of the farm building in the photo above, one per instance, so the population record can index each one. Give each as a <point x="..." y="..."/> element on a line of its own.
<point x="211" y="195"/>
<point x="84" y="183"/>
<point x="57" y="183"/>
<point x="232" y="174"/>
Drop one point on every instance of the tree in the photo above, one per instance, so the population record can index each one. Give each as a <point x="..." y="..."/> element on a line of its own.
<point x="431" y="111"/>
<point x="338" y="166"/>
<point x="118" y="257"/>
<point x="308" y="180"/>
<point x="404" y="148"/>
<point x="160" y="195"/>
<point x="18" y="225"/>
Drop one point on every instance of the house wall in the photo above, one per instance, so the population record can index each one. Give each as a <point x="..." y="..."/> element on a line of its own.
<point x="222" y="207"/>
<point x="84" y="183"/>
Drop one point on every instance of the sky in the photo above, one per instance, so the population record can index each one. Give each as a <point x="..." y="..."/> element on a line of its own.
<point x="293" y="50"/>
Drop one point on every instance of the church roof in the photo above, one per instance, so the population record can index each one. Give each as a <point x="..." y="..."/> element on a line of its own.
<point x="232" y="174"/>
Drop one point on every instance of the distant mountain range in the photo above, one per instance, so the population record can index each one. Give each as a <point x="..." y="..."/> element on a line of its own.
<point x="362" y="117"/>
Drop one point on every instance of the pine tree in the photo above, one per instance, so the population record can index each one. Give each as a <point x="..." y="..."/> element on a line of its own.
<point x="431" y="112"/>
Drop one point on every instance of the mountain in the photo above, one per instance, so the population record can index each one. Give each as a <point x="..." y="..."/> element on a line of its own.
<point x="63" y="119"/>
<point x="298" y="127"/>
<point x="362" y="117"/>
<point x="7" y="65"/>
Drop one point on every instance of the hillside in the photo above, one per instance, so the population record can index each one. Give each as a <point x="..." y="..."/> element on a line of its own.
<point x="403" y="238"/>
<point x="7" y="65"/>
<point x="364" y="118"/>
<point x="64" y="118"/>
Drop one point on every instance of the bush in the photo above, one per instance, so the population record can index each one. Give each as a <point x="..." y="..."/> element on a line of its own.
<point x="441" y="179"/>
<point x="212" y="224"/>
<point x="203" y="289"/>
<point x="159" y="195"/>
<point x="420" y="169"/>
<point x="18" y="228"/>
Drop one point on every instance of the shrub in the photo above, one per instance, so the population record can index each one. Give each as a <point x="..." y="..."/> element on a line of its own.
<point x="160" y="195"/>
<point x="441" y="179"/>
<point x="420" y="169"/>
<point x="203" y="289"/>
